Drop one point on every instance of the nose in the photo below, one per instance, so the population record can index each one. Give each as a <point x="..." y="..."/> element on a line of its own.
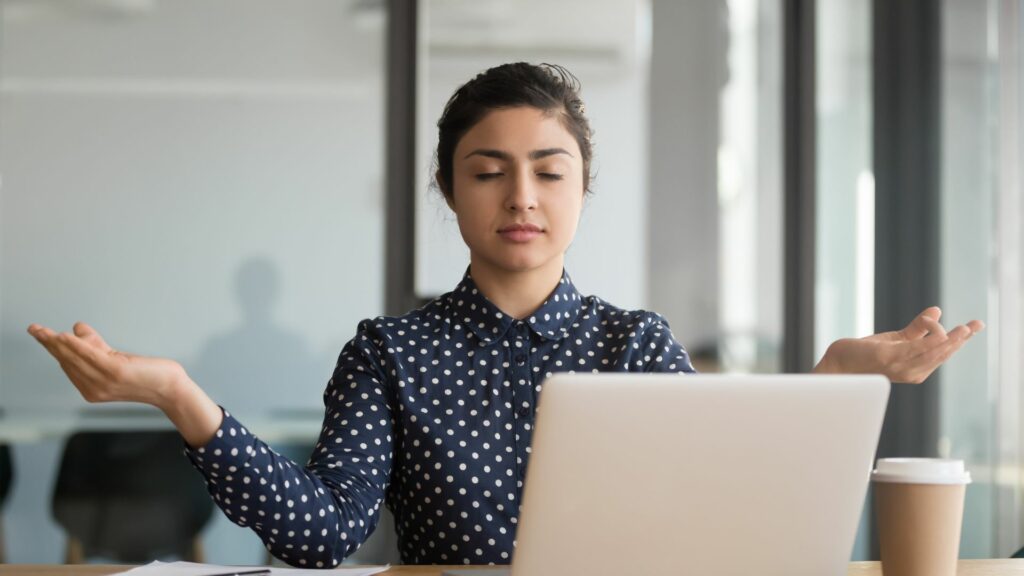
<point x="522" y="194"/>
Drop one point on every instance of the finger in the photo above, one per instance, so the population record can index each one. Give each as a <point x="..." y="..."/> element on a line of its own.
<point x="962" y="333"/>
<point x="90" y="335"/>
<point x="72" y="356"/>
<point x="76" y="369"/>
<point x="91" y="361"/>
<point x="922" y="324"/>
<point x="72" y="351"/>
<point x="64" y="353"/>
<point x="976" y="326"/>
<point x="909" y="351"/>
<point x="59" y="353"/>
<point x="37" y="331"/>
<point x="937" y="350"/>
<point x="47" y="338"/>
<point x="935" y="358"/>
<point x="934" y="328"/>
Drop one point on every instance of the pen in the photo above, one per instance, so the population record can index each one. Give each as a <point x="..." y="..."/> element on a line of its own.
<point x="260" y="572"/>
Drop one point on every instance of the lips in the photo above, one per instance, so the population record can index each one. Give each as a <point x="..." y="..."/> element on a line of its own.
<point x="523" y="232"/>
<point x="527" y="227"/>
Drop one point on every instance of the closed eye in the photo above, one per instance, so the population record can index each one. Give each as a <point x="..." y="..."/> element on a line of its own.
<point x="484" y="176"/>
<point x="549" y="176"/>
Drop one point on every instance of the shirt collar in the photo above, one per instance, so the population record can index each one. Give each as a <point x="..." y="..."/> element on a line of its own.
<point x="552" y="321"/>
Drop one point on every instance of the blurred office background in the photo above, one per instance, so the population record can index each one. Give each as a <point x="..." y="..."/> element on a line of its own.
<point x="236" y="183"/>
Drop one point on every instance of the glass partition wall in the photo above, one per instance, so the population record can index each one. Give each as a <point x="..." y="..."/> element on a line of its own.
<point x="979" y="245"/>
<point x="197" y="179"/>
<point x="981" y="251"/>
<point x="1006" y="287"/>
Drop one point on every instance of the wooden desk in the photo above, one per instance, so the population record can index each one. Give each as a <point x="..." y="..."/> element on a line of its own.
<point x="966" y="568"/>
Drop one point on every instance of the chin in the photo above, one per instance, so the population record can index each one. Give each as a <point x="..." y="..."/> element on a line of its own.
<point x="518" y="260"/>
<point x="523" y="264"/>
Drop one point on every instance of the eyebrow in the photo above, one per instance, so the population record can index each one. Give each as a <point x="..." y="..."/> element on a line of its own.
<point x="502" y="155"/>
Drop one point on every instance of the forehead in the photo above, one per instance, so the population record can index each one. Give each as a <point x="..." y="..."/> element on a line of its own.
<point x="517" y="130"/>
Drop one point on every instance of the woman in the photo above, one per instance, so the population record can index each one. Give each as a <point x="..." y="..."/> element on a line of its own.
<point x="432" y="412"/>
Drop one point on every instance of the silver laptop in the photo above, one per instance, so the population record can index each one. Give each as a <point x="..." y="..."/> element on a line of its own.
<point x="703" y="475"/>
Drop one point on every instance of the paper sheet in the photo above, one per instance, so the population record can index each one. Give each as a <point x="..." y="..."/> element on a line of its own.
<point x="193" y="569"/>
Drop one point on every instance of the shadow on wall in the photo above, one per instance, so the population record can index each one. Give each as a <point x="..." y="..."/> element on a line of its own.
<point x="257" y="363"/>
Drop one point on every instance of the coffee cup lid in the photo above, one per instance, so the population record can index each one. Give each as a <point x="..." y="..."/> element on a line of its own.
<point x="921" y="471"/>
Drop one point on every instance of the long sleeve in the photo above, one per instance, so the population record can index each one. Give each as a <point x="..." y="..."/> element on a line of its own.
<point x="312" y="516"/>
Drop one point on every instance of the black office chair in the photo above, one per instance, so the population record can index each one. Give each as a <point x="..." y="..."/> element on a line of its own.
<point x="131" y="497"/>
<point x="6" y="480"/>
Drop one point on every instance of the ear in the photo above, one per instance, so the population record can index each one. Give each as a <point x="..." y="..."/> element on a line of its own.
<point x="449" y="197"/>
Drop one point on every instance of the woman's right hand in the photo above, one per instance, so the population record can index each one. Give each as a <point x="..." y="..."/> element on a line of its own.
<point x="103" y="374"/>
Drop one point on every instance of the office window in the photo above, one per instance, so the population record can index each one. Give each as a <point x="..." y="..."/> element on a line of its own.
<point x="1006" y="287"/>
<point x="845" y="210"/>
<point x="977" y="399"/>
<point x="715" y="214"/>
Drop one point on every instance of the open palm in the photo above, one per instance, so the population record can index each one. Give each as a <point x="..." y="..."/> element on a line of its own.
<point x="909" y="355"/>
<point x="103" y="374"/>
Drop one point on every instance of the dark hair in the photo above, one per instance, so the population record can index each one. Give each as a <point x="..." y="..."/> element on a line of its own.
<point x="546" y="87"/>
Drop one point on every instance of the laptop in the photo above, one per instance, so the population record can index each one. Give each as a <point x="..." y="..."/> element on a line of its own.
<point x="704" y="475"/>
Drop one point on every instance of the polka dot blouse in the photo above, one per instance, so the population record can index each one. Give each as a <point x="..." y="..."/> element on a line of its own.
<point x="431" y="414"/>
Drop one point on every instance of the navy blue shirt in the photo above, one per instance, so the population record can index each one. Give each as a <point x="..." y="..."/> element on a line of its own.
<point x="432" y="414"/>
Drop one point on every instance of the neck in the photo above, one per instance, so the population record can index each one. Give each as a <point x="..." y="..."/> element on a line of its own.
<point x="517" y="294"/>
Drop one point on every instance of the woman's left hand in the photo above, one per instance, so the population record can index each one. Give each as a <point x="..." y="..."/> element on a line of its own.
<point x="909" y="355"/>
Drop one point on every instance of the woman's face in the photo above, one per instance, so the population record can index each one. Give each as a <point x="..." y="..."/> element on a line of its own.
<point x="517" y="189"/>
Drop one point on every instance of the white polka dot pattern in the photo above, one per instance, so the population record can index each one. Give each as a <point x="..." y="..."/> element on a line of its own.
<point x="433" y="413"/>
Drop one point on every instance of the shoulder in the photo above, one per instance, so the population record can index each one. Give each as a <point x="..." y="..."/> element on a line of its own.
<point x="645" y="337"/>
<point x="642" y="338"/>
<point x="430" y="318"/>
<point x="628" y="322"/>
<point x="378" y="340"/>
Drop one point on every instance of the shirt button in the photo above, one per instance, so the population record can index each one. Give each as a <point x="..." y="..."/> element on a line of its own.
<point x="524" y="412"/>
<point x="520" y="359"/>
